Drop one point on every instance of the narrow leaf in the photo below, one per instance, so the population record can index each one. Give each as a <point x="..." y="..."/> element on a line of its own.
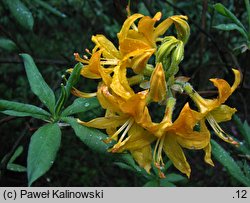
<point x="43" y="148"/>
<point x="225" y="12"/>
<point x="244" y="129"/>
<point x="246" y="132"/>
<point x="17" y="153"/>
<point x="228" y="162"/>
<point x="50" y="8"/>
<point x="20" y="109"/>
<point x="152" y="183"/>
<point x="172" y="177"/>
<point x="124" y="166"/>
<point x="7" y="44"/>
<point x="37" y="83"/>
<point x="166" y="183"/>
<point x="91" y="137"/>
<point x="21" y="13"/>
<point x="246" y="169"/>
<point x="65" y="90"/>
<point x="231" y="26"/>
<point x="74" y="77"/>
<point x="24" y="114"/>
<point x="81" y="105"/>
<point x="128" y="160"/>
<point x="16" y="167"/>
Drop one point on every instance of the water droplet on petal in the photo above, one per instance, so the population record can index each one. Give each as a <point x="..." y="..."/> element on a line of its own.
<point x="86" y="104"/>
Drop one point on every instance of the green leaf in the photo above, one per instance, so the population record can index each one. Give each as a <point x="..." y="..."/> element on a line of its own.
<point x="152" y="183"/>
<point x="231" y="26"/>
<point x="37" y="83"/>
<point x="65" y="90"/>
<point x="124" y="166"/>
<point x="243" y="128"/>
<point x="91" y="137"/>
<point x="166" y="183"/>
<point x="20" y="109"/>
<point x="7" y="44"/>
<point x="246" y="168"/>
<point x="81" y="105"/>
<point x="17" y="153"/>
<point x="172" y="177"/>
<point x="21" y="13"/>
<point x="74" y="77"/>
<point x="43" y="148"/>
<point x="50" y="8"/>
<point x="225" y="12"/>
<point x="128" y="159"/>
<point x="16" y="167"/>
<point x="228" y="162"/>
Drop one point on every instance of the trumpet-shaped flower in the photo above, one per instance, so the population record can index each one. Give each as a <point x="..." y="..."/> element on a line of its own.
<point x="122" y="123"/>
<point x="173" y="136"/>
<point x="213" y="110"/>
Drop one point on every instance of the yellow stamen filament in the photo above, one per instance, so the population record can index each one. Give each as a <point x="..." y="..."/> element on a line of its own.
<point x="121" y="142"/>
<point x="157" y="156"/>
<point x="118" y="131"/>
<point x="217" y="129"/>
<point x="109" y="61"/>
<point x="134" y="27"/>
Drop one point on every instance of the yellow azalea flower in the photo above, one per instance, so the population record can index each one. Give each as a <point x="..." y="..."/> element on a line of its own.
<point x="173" y="136"/>
<point x="213" y="110"/>
<point x="126" y="115"/>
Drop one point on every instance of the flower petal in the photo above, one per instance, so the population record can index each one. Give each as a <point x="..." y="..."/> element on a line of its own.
<point x="176" y="154"/>
<point x="207" y="157"/>
<point x="120" y="83"/>
<point x="138" y="138"/>
<point x="129" y="45"/>
<point x="236" y="80"/>
<point x="138" y="63"/>
<point x="146" y="27"/>
<point x="107" y="100"/>
<point x="186" y="120"/>
<point x="143" y="157"/>
<point x="105" y="122"/>
<point x="224" y="90"/>
<point x="109" y="50"/>
<point x="126" y="26"/>
<point x="195" y="139"/>
<point x="223" y="113"/>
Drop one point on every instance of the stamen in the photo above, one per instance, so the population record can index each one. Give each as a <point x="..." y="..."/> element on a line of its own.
<point x="109" y="61"/>
<point x="121" y="142"/>
<point x="158" y="160"/>
<point x="217" y="129"/>
<point x="134" y="27"/>
<point x="85" y="57"/>
<point x="87" y="50"/>
<point x="118" y="131"/>
<point x="78" y="58"/>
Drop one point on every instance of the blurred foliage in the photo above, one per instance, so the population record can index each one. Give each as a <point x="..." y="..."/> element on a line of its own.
<point x="51" y="31"/>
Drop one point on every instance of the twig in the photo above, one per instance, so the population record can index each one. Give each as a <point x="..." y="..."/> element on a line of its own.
<point x="5" y="120"/>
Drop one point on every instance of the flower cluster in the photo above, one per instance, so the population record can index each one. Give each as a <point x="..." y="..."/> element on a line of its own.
<point x="143" y="70"/>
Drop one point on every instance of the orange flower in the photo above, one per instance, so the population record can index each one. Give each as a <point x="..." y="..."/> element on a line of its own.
<point x="213" y="110"/>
